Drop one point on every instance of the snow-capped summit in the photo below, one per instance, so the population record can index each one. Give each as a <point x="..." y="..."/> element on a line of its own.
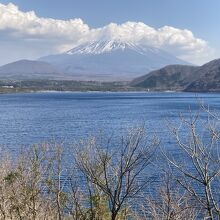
<point x="100" y="47"/>
<point x="111" y="60"/>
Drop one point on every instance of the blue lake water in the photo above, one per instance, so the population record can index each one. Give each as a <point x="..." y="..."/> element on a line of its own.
<point x="66" y="116"/>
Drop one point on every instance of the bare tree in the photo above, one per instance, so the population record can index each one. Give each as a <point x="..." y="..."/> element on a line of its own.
<point x="169" y="202"/>
<point x="119" y="173"/>
<point x="21" y="185"/>
<point x="55" y="181"/>
<point x="197" y="169"/>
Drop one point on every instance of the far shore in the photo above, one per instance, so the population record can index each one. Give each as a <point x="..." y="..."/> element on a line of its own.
<point x="43" y="85"/>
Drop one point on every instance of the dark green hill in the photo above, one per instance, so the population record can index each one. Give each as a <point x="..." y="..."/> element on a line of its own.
<point x="204" y="78"/>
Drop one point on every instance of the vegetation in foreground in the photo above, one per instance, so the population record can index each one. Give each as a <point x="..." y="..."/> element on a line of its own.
<point x="107" y="182"/>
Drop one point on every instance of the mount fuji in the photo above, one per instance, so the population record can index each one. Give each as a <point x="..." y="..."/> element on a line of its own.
<point x="110" y="61"/>
<point x="97" y="61"/>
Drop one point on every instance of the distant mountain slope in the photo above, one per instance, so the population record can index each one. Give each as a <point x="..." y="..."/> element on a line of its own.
<point x="27" y="69"/>
<point x="182" y="77"/>
<point x="209" y="78"/>
<point x="171" y="77"/>
<point x="110" y="60"/>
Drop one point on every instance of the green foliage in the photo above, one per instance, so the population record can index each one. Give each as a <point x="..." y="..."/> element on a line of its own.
<point x="11" y="177"/>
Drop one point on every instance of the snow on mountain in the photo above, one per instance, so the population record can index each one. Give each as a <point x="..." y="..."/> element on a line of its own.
<point x="100" y="47"/>
<point x="111" y="60"/>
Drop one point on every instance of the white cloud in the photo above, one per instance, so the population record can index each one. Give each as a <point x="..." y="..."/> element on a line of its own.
<point x="33" y="36"/>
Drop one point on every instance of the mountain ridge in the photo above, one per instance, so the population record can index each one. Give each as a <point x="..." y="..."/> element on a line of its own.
<point x="27" y="69"/>
<point x="182" y="78"/>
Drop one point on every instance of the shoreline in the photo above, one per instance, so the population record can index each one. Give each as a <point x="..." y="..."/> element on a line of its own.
<point x="33" y="86"/>
<point x="104" y="91"/>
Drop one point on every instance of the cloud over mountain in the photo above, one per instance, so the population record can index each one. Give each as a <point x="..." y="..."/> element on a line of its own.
<point x="25" y="35"/>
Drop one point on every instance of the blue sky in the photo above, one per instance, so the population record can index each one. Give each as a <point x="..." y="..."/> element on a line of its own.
<point x="201" y="17"/>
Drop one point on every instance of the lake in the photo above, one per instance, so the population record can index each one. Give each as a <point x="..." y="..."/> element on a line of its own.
<point x="69" y="116"/>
